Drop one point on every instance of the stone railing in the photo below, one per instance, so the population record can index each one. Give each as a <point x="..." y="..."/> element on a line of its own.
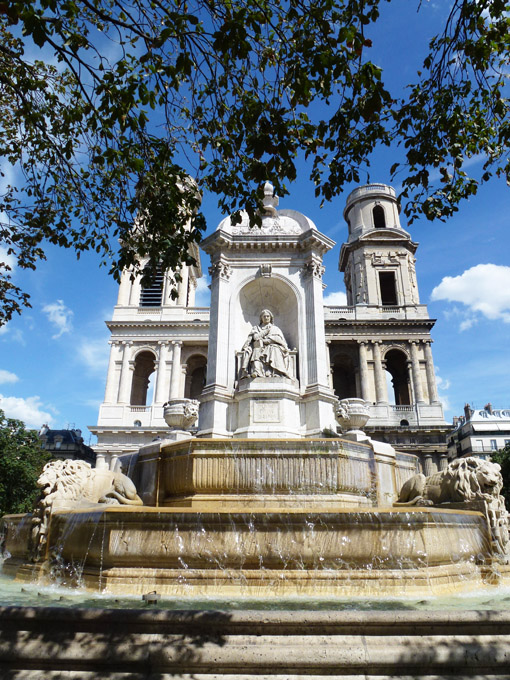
<point x="369" y="189"/>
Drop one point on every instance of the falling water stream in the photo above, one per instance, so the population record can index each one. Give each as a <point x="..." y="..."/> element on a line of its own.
<point x="258" y="556"/>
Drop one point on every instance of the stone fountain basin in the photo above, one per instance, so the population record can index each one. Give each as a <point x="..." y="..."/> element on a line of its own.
<point x="264" y="552"/>
<point x="267" y="473"/>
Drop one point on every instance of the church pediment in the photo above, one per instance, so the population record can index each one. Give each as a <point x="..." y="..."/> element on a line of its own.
<point x="387" y="234"/>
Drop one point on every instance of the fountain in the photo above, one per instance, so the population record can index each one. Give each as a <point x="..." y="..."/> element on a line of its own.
<point x="252" y="517"/>
<point x="258" y="503"/>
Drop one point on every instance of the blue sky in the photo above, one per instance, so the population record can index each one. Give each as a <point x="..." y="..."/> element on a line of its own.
<point x="53" y="358"/>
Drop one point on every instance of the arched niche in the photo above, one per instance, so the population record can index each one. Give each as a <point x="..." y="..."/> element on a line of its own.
<point x="397" y="366"/>
<point x="196" y="370"/>
<point x="343" y="367"/>
<point x="271" y="293"/>
<point x="144" y="365"/>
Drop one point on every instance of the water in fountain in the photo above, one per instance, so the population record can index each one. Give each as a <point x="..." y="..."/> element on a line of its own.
<point x="294" y="518"/>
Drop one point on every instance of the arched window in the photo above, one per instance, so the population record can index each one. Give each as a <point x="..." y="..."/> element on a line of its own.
<point x="396" y="365"/>
<point x="196" y="369"/>
<point x="344" y="378"/>
<point x="144" y="368"/>
<point x="379" y="218"/>
<point x="151" y="295"/>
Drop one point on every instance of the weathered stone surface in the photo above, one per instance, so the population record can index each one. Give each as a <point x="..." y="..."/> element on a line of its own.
<point x="268" y="551"/>
<point x="109" y="644"/>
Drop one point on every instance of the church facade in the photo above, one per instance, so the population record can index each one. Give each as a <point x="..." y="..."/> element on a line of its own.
<point x="377" y="347"/>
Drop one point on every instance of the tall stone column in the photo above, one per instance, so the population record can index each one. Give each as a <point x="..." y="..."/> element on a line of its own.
<point x="328" y="364"/>
<point x="415" y="367"/>
<point x="161" y="391"/>
<point x="112" y="379"/>
<point x="431" y="375"/>
<point x="428" y="465"/>
<point x="192" y="289"/>
<point x="317" y="365"/>
<point x="175" y="383"/>
<point x="381" y="390"/>
<point x="217" y="359"/>
<point x="363" y="370"/>
<point x="125" y="375"/>
<point x="124" y="288"/>
<point x="443" y="461"/>
<point x="136" y="289"/>
<point x="182" y="299"/>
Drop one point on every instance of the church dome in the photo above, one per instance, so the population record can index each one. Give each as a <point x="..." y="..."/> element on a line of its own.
<point x="274" y="222"/>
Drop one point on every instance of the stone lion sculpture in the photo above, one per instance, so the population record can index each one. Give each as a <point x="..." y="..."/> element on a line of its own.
<point x="74" y="484"/>
<point x="464" y="480"/>
<point x="475" y="482"/>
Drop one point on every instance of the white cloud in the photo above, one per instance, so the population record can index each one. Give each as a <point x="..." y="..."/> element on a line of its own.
<point x="93" y="403"/>
<point x="443" y="385"/>
<point x="483" y="290"/>
<point x="94" y="354"/>
<point x="337" y="298"/>
<point x="6" y="259"/>
<point x="29" y="410"/>
<point x="7" y="377"/>
<point x="203" y="294"/>
<point x="60" y="316"/>
<point x="16" y="334"/>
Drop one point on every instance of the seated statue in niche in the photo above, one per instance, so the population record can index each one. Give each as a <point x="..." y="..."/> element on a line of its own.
<point x="265" y="353"/>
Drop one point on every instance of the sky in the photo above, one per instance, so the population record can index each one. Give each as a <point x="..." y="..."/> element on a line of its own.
<point x="53" y="358"/>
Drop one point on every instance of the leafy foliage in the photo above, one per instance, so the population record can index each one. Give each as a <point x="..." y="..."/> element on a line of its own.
<point x="21" y="462"/>
<point x="458" y="110"/>
<point x="144" y="94"/>
<point x="502" y="457"/>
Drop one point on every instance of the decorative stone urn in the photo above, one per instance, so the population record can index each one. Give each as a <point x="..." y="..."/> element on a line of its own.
<point x="180" y="414"/>
<point x="352" y="415"/>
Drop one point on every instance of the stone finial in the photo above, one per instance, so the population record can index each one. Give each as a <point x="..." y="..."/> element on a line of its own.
<point x="270" y="201"/>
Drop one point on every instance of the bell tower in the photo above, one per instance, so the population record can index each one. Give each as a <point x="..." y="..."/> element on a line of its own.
<point x="380" y="343"/>
<point x="155" y="356"/>
<point x="378" y="259"/>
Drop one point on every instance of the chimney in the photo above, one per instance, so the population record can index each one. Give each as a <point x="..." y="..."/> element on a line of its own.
<point x="488" y="408"/>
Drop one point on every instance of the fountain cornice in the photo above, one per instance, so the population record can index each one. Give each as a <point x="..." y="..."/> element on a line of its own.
<point x="309" y="240"/>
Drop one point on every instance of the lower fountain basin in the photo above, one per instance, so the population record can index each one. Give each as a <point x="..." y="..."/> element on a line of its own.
<point x="180" y="552"/>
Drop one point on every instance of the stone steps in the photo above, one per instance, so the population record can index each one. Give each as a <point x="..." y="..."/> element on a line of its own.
<point x="50" y="643"/>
